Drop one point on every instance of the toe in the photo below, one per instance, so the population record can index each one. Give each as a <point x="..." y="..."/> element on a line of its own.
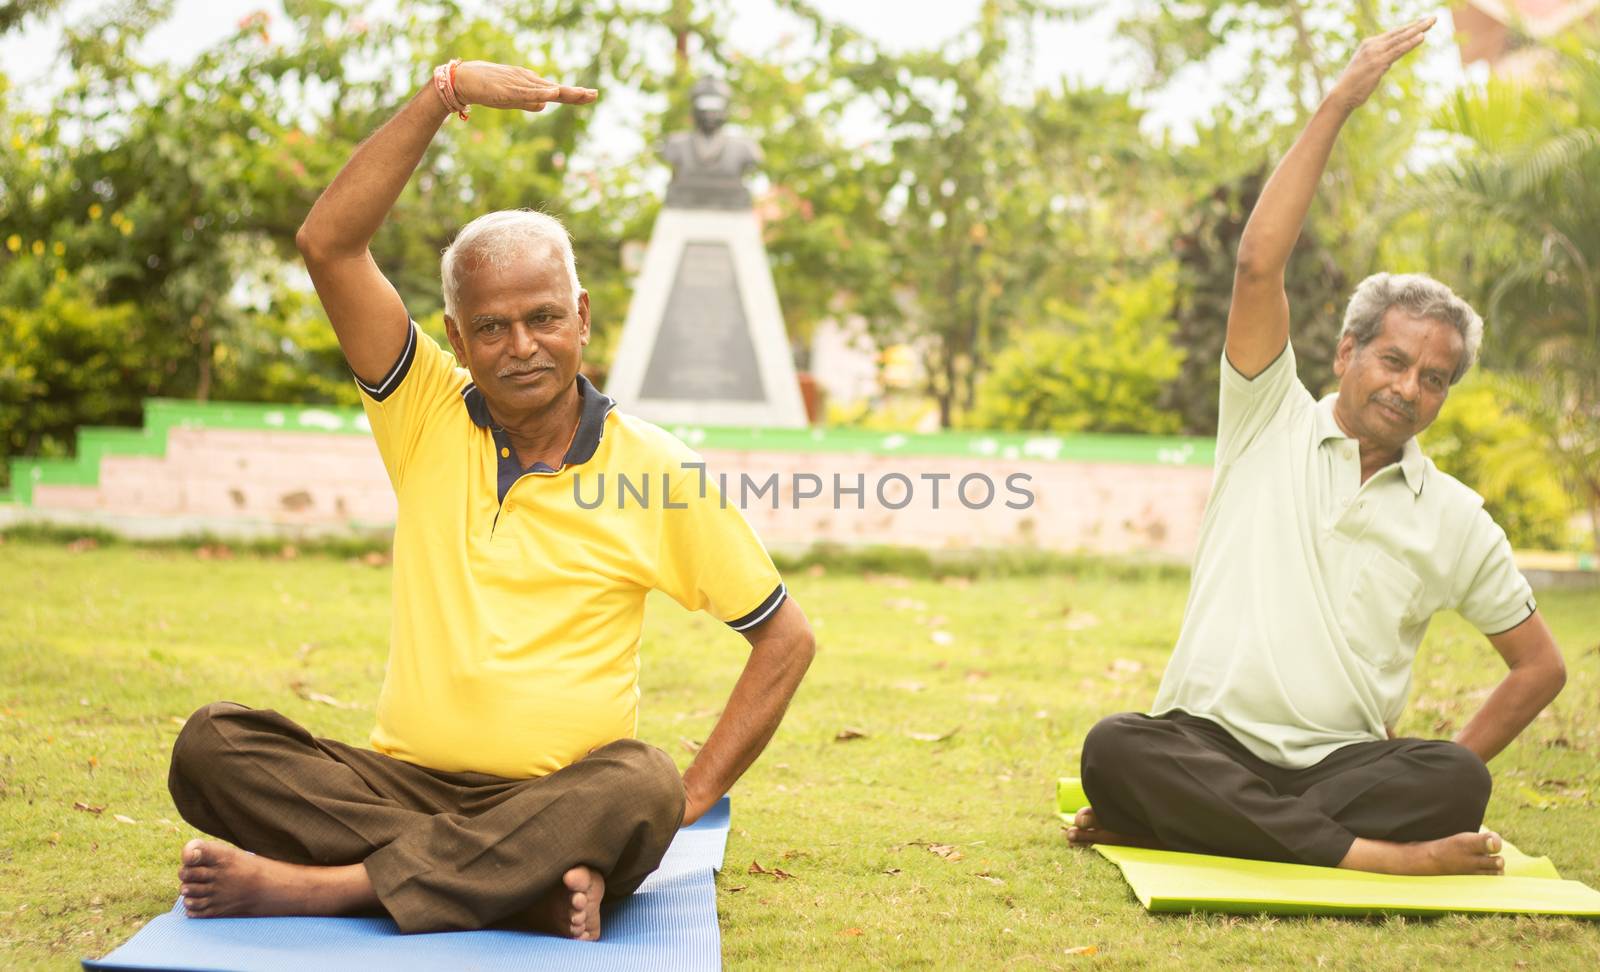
<point x="192" y="852"/>
<point x="1492" y="842"/>
<point x="197" y="875"/>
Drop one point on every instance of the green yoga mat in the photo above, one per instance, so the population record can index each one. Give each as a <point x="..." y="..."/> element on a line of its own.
<point x="1172" y="881"/>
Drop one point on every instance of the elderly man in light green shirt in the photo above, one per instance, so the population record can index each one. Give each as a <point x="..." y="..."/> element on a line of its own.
<point x="1329" y="542"/>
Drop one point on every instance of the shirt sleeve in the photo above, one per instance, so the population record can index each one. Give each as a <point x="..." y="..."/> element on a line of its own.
<point x="399" y="407"/>
<point x="711" y="559"/>
<point x="1246" y="405"/>
<point x="1490" y="592"/>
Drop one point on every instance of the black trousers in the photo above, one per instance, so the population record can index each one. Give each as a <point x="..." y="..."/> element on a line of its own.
<point x="445" y="851"/>
<point x="1187" y="783"/>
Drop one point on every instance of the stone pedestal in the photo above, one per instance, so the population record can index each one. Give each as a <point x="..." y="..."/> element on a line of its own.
<point x="704" y="342"/>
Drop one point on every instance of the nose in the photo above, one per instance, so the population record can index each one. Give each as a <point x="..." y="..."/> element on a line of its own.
<point x="1409" y="386"/>
<point x="524" y="343"/>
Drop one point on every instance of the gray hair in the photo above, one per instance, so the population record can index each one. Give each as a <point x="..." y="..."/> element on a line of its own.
<point x="1420" y="296"/>
<point x="493" y="239"/>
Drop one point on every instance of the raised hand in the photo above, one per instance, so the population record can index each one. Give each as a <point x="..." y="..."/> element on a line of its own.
<point x="504" y="86"/>
<point x="1373" y="59"/>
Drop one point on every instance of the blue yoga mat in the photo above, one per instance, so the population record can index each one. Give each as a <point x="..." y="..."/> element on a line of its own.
<point x="669" y="923"/>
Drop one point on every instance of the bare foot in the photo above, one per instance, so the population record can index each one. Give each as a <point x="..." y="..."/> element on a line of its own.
<point x="572" y="908"/>
<point x="1085" y="830"/>
<point x="1469" y="853"/>
<point x="219" y="880"/>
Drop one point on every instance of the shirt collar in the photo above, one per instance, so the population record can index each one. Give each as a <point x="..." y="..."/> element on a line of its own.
<point x="1413" y="465"/>
<point x="593" y="408"/>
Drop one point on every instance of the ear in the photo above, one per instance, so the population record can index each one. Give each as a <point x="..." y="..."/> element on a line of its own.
<point x="457" y="344"/>
<point x="1342" y="357"/>
<point x="583" y="318"/>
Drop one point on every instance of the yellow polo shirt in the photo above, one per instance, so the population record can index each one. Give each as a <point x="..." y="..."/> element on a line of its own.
<point x="519" y="593"/>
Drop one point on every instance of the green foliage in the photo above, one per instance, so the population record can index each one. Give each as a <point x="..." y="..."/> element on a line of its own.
<point x="1481" y="439"/>
<point x="1102" y="370"/>
<point x="1207" y="245"/>
<point x="1519" y="209"/>
<point x="68" y="361"/>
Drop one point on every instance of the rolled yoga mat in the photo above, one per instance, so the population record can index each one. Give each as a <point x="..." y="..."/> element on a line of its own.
<point x="1168" y="881"/>
<point x="669" y="923"/>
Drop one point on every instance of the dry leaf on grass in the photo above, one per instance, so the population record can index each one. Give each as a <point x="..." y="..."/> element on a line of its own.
<point x="986" y="876"/>
<point x="850" y="932"/>
<point x="86" y="808"/>
<point x="943" y="639"/>
<point x="777" y="872"/>
<point x="891" y="871"/>
<point x="305" y="692"/>
<point x="933" y="737"/>
<point x="848" y="733"/>
<point x="121" y="818"/>
<point x="691" y="745"/>
<point x="1083" y="950"/>
<point x="946" y="851"/>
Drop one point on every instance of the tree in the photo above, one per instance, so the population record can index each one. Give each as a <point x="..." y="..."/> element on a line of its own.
<point x="1519" y="208"/>
<point x="1207" y="247"/>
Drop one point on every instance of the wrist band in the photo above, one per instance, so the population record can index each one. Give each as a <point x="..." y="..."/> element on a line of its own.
<point x="444" y="82"/>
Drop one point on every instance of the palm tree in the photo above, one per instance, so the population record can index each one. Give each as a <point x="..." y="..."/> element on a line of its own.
<point x="1520" y="206"/>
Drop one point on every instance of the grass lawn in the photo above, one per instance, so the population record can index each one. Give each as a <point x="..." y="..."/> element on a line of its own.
<point x="965" y="700"/>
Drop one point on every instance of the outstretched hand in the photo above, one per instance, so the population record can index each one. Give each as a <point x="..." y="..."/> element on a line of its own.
<point x="1374" y="58"/>
<point x="503" y="86"/>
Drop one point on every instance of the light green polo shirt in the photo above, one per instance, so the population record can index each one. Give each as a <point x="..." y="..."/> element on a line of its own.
<point x="1312" y="590"/>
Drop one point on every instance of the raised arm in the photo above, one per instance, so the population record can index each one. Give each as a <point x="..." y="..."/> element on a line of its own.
<point x="1258" y="318"/>
<point x="366" y="312"/>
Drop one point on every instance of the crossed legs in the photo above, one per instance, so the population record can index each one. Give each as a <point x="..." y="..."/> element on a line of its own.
<point x="1402" y="806"/>
<point x="333" y="829"/>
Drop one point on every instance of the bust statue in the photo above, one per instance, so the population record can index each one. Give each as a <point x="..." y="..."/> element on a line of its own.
<point x="708" y="164"/>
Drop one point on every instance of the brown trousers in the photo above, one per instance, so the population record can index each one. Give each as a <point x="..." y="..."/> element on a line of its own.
<point x="445" y="851"/>
<point x="1186" y="782"/>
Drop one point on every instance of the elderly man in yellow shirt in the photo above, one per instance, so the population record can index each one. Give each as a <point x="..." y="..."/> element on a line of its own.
<point x="504" y="784"/>
<point x="1329" y="541"/>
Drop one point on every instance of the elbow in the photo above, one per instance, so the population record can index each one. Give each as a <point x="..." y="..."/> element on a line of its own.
<point x="803" y="649"/>
<point x="1252" y="267"/>
<point x="307" y="242"/>
<point x="1556" y="675"/>
<point x="808" y="648"/>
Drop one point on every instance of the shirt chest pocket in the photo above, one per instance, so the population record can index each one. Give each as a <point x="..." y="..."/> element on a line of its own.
<point x="1381" y="612"/>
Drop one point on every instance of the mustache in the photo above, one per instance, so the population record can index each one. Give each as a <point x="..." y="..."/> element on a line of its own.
<point x="512" y="370"/>
<point x="1403" y="407"/>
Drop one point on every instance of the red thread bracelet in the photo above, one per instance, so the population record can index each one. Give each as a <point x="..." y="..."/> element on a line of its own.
<point x="444" y="82"/>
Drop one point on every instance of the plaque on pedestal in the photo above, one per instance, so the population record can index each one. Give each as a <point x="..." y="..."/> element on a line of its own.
<point x="704" y="342"/>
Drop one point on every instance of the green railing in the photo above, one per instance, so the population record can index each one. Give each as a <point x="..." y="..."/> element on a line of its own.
<point x="161" y="415"/>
